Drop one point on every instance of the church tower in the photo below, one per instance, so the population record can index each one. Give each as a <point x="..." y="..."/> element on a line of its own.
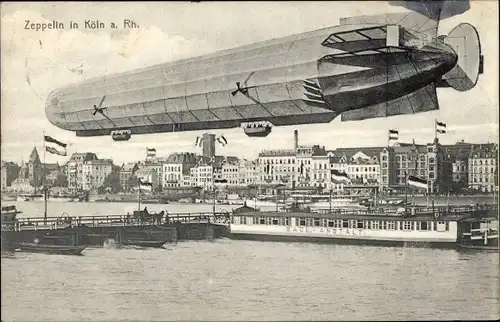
<point x="35" y="168"/>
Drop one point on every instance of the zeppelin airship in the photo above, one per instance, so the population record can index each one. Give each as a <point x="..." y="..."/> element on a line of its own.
<point x="365" y="67"/>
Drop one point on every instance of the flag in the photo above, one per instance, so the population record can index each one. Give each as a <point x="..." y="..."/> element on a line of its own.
<point x="222" y="140"/>
<point x="393" y="135"/>
<point x="339" y="176"/>
<point x="150" y="152"/>
<point x="54" y="146"/>
<point x="417" y="182"/>
<point x="301" y="168"/>
<point x="198" y="141"/>
<point x="220" y="180"/>
<point x="440" y="127"/>
<point x="145" y="185"/>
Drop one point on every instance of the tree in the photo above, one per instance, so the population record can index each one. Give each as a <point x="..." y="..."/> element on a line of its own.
<point x="112" y="181"/>
<point x="132" y="181"/>
<point x="61" y="180"/>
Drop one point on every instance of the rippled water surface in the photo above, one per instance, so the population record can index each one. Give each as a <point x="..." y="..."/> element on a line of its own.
<point x="240" y="280"/>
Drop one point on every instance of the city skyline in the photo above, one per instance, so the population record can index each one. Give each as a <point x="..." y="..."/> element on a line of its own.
<point x="159" y="155"/>
<point x="471" y="116"/>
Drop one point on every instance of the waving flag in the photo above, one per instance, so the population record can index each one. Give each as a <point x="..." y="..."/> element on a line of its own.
<point x="440" y="127"/>
<point x="417" y="182"/>
<point x="222" y="140"/>
<point x="339" y="176"/>
<point x="198" y="141"/>
<point x="145" y="185"/>
<point x="54" y="146"/>
<point x="393" y="135"/>
<point x="150" y="152"/>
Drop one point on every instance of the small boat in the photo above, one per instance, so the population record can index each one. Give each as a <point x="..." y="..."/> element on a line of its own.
<point x="52" y="244"/>
<point x="9" y="213"/>
<point x="50" y="249"/>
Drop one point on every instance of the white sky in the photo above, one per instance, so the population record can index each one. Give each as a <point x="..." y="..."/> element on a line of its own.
<point x="170" y="31"/>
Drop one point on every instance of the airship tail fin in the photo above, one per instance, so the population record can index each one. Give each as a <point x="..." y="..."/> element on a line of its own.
<point x="422" y="100"/>
<point x="435" y="9"/>
<point x="464" y="40"/>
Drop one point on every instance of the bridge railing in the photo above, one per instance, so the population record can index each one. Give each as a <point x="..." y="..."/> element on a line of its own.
<point x="38" y="223"/>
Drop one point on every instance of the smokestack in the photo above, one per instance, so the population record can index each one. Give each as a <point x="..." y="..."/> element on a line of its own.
<point x="295" y="139"/>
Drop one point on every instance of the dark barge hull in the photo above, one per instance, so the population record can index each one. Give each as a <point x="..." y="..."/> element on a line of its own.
<point x="478" y="247"/>
<point x="144" y="243"/>
<point x="342" y="241"/>
<point x="50" y="249"/>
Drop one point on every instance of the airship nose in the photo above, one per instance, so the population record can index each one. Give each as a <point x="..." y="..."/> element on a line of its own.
<point x="53" y="110"/>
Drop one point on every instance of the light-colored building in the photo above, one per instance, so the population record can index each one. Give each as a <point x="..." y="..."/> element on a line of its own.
<point x="126" y="172"/>
<point x="362" y="166"/>
<point x="176" y="167"/>
<point x="320" y="169"/>
<point x="277" y="167"/>
<point x="482" y="164"/>
<point x="74" y="169"/>
<point x="248" y="172"/>
<point x="95" y="172"/>
<point x="230" y="173"/>
<point x="150" y="172"/>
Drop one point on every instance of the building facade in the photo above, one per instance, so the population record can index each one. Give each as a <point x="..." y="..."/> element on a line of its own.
<point x="176" y="167"/>
<point x="482" y="165"/>
<point x="94" y="172"/>
<point x="74" y="169"/>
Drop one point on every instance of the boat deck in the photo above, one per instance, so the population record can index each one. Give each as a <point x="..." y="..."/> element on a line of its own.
<point x="51" y="223"/>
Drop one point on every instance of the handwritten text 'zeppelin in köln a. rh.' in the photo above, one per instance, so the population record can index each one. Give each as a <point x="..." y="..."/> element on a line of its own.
<point x="86" y="24"/>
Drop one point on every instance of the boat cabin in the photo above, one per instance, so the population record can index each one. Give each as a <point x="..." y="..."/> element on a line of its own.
<point x="387" y="227"/>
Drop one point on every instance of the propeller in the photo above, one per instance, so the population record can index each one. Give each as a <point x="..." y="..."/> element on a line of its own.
<point x="243" y="90"/>
<point x="236" y="90"/>
<point x="99" y="109"/>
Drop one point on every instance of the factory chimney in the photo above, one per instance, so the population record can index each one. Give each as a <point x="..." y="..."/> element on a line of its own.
<point x="295" y="139"/>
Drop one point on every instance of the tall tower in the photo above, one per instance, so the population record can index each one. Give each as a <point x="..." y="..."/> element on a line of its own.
<point x="35" y="168"/>
<point x="208" y="145"/>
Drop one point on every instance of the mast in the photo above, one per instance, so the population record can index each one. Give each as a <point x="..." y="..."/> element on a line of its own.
<point x="277" y="199"/>
<point x="44" y="183"/>
<point x="330" y="199"/>
<point x="139" y="195"/>
<point x="435" y="129"/>
<point x="213" y="186"/>
<point x="406" y="190"/>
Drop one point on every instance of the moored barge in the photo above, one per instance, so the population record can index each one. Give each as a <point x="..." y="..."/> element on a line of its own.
<point x="416" y="227"/>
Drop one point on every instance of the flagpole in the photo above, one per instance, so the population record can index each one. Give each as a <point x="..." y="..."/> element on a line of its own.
<point x="139" y="197"/>
<point x="43" y="183"/>
<point x="435" y="129"/>
<point x="406" y="191"/>
<point x="213" y="185"/>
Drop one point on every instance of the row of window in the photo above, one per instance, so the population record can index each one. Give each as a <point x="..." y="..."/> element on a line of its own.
<point x="344" y="223"/>
<point x="485" y="162"/>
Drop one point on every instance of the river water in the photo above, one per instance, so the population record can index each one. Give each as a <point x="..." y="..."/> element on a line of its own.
<point x="243" y="280"/>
